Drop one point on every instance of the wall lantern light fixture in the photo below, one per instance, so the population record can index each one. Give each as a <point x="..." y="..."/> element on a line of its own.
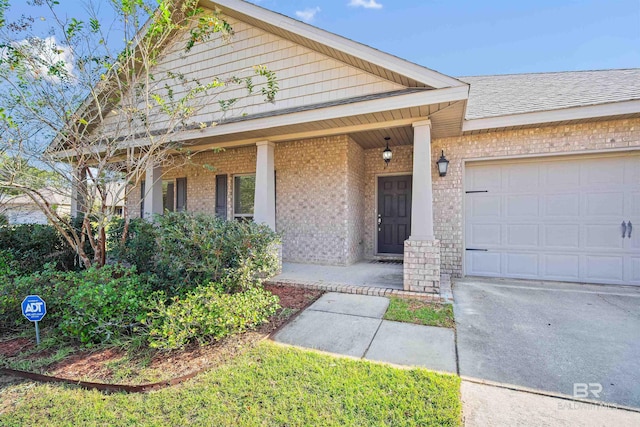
<point x="387" y="154"/>
<point x="443" y="164"/>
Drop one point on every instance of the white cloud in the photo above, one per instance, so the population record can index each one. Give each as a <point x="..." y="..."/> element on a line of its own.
<point x="367" y="4"/>
<point x="45" y="53"/>
<point x="308" y="14"/>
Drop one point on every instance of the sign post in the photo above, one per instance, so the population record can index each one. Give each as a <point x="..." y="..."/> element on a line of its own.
<point x="34" y="309"/>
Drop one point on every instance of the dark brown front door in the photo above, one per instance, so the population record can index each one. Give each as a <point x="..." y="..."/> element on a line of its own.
<point x="394" y="213"/>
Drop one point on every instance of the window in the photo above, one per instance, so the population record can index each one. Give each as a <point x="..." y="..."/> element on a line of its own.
<point x="181" y="194"/>
<point x="168" y="195"/>
<point x="244" y="191"/>
<point x="174" y="195"/>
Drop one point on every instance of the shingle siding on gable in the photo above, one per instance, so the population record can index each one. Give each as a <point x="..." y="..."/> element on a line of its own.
<point x="304" y="76"/>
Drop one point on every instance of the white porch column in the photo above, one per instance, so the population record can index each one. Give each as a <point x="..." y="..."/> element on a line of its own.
<point x="422" y="250"/>
<point x="78" y="192"/>
<point x="153" y="192"/>
<point x="265" y="197"/>
<point x="422" y="196"/>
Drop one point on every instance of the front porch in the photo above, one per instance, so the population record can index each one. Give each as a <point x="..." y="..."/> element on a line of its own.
<point x="328" y="192"/>
<point x="377" y="278"/>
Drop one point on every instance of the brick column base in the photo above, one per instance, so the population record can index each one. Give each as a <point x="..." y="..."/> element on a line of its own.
<point x="422" y="266"/>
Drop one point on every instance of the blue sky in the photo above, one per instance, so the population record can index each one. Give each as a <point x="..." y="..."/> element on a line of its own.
<point x="462" y="38"/>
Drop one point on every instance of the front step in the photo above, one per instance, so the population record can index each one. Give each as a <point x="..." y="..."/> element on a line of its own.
<point x="359" y="290"/>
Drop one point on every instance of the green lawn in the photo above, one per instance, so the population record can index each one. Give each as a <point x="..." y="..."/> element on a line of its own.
<point x="269" y="386"/>
<point x="420" y="312"/>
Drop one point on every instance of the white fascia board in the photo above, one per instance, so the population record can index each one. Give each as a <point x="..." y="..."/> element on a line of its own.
<point x="541" y="117"/>
<point x="413" y="71"/>
<point x="418" y="99"/>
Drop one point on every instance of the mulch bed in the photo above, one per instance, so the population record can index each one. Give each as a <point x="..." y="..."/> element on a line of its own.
<point x="98" y="366"/>
<point x="11" y="348"/>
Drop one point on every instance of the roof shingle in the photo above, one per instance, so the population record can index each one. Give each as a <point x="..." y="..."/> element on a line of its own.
<point x="501" y="95"/>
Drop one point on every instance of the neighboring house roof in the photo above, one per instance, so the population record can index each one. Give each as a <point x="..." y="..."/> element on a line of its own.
<point x="501" y="95"/>
<point x="54" y="197"/>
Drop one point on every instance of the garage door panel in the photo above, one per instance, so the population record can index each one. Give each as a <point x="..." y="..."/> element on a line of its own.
<point x="485" y="179"/>
<point x="603" y="173"/>
<point x="604" y="268"/>
<point x="559" y="176"/>
<point x="555" y="219"/>
<point x="522" y="205"/>
<point x="605" y="204"/>
<point x="633" y="204"/>
<point x="484" y="235"/>
<point x="484" y="263"/>
<point x="603" y="237"/>
<point x="562" y="236"/>
<point x="633" y="274"/>
<point x="522" y="176"/>
<point x="523" y="235"/>
<point x="562" y="205"/>
<point x="524" y="265"/>
<point x="561" y="267"/>
<point x="487" y="206"/>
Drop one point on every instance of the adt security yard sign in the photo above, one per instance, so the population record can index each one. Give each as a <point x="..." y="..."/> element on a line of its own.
<point x="34" y="309"/>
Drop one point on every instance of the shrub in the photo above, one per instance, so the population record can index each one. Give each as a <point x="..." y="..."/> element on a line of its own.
<point x="196" y="248"/>
<point x="34" y="245"/>
<point x="207" y="313"/>
<point x="7" y="264"/>
<point x="3" y="220"/>
<point x="52" y="285"/>
<point x="106" y="304"/>
<point x="140" y="246"/>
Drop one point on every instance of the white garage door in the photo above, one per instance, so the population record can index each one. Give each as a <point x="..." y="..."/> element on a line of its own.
<point x="555" y="219"/>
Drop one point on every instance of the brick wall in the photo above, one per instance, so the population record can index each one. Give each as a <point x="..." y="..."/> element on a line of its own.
<point x="448" y="192"/>
<point x="401" y="164"/>
<point x="311" y="206"/>
<point x="355" y="202"/>
<point x="201" y="171"/>
<point x="318" y="221"/>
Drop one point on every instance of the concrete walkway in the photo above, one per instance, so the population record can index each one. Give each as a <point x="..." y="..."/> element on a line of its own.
<point x="352" y="325"/>
<point x="487" y="405"/>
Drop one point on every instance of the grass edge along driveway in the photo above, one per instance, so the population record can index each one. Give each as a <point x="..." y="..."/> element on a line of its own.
<point x="269" y="385"/>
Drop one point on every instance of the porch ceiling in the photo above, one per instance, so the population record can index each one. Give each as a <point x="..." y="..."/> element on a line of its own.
<point x="368" y="129"/>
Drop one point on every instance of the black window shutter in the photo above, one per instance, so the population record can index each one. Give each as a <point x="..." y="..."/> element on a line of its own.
<point x="181" y="194"/>
<point x="221" y="196"/>
<point x="141" y="199"/>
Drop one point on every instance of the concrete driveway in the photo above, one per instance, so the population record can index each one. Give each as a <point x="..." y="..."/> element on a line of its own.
<point x="550" y="336"/>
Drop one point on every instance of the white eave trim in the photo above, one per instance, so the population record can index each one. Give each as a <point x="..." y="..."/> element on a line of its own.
<point x="413" y="71"/>
<point x="418" y="99"/>
<point x="565" y="114"/>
